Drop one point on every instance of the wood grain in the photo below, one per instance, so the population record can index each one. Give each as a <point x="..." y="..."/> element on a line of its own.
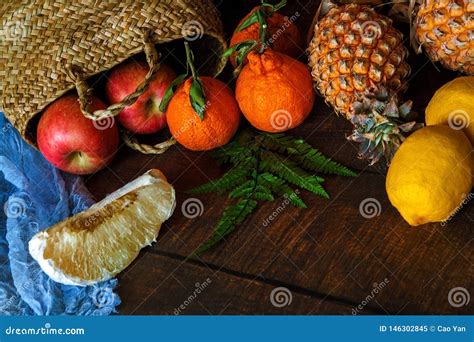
<point x="170" y="286"/>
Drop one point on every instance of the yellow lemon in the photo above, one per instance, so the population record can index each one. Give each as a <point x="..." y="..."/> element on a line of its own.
<point x="453" y="105"/>
<point x="431" y="174"/>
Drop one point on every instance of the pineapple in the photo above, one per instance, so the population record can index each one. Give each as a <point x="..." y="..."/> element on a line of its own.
<point x="445" y="29"/>
<point x="358" y="57"/>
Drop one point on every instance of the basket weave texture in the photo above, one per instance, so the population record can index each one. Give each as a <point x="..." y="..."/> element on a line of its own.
<point x="43" y="40"/>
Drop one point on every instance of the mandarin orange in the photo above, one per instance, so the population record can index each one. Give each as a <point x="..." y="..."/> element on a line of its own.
<point x="221" y="116"/>
<point x="284" y="36"/>
<point x="274" y="91"/>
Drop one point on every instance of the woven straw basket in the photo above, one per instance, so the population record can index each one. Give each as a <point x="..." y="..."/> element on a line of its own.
<point x="49" y="47"/>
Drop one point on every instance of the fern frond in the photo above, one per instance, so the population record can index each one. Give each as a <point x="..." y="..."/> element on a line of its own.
<point x="233" y="153"/>
<point x="278" y="142"/>
<point x="233" y="216"/>
<point x="244" y="189"/>
<point x="305" y="155"/>
<point x="290" y="172"/>
<point x="312" y="159"/>
<point x="270" y="178"/>
<point x="232" y="178"/>
<point x="263" y="196"/>
<point x="264" y="167"/>
<point x="280" y="187"/>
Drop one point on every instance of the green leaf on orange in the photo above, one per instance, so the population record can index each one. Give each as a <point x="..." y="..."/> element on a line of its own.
<point x="237" y="47"/>
<point x="170" y="91"/>
<point x="252" y="19"/>
<point x="244" y="51"/>
<point x="256" y="16"/>
<point x="262" y="25"/>
<point x="197" y="97"/>
<point x="274" y="8"/>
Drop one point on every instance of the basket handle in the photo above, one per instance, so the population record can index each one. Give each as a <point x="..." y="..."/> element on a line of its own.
<point x="133" y="143"/>
<point x="84" y="91"/>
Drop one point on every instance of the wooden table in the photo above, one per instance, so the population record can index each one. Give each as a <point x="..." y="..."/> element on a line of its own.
<point x="329" y="257"/>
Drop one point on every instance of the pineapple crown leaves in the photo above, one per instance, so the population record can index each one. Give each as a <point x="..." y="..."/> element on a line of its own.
<point x="264" y="167"/>
<point x="197" y="95"/>
<point x="380" y="124"/>
<point x="259" y="16"/>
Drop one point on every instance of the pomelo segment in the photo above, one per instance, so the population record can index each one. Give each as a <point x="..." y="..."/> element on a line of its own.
<point x="102" y="241"/>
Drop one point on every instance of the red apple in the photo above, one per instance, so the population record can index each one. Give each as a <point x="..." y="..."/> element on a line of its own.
<point x="144" y="116"/>
<point x="73" y="143"/>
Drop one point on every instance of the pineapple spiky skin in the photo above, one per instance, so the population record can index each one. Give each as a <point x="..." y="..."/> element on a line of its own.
<point x="445" y="30"/>
<point x="355" y="49"/>
<point x="358" y="63"/>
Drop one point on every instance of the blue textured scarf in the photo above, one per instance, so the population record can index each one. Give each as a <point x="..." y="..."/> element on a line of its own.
<point x="33" y="196"/>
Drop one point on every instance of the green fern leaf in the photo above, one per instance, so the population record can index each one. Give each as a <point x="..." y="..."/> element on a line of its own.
<point x="314" y="160"/>
<point x="229" y="180"/>
<point x="233" y="216"/>
<point x="271" y="179"/>
<point x="305" y="155"/>
<point x="264" y="166"/>
<point x="290" y="172"/>
<point x="263" y="196"/>
<point x="233" y="152"/>
<point x="244" y="189"/>
<point x="280" y="187"/>
<point x="292" y="196"/>
<point x="278" y="142"/>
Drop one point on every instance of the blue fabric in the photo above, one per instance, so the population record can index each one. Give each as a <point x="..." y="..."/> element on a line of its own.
<point x="33" y="196"/>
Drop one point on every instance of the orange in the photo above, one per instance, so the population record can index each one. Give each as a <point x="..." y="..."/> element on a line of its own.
<point x="221" y="116"/>
<point x="274" y="91"/>
<point x="284" y="36"/>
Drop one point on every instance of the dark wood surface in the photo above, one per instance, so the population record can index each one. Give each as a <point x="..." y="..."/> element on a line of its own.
<point x="329" y="257"/>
